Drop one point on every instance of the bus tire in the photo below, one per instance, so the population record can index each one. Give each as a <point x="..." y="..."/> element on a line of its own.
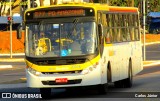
<point x="70" y="89"/>
<point x="45" y="93"/>
<point x="119" y="84"/>
<point x="73" y="89"/>
<point x="129" y="80"/>
<point x="109" y="75"/>
<point x="103" y="88"/>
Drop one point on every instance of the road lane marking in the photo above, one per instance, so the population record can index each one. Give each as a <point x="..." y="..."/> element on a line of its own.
<point x="24" y="79"/>
<point x="152" y="64"/>
<point x="15" y="54"/>
<point x="5" y="66"/>
<point x="19" y="73"/>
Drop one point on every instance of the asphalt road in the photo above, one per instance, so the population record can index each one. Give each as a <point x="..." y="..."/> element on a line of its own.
<point x="146" y="82"/>
<point x="153" y="52"/>
<point x="13" y="74"/>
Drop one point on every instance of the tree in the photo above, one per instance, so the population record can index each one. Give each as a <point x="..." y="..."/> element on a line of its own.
<point x="3" y="5"/>
<point x="51" y="2"/>
<point x="41" y="2"/>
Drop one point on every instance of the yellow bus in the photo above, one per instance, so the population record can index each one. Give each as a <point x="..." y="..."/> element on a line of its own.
<point x="81" y="44"/>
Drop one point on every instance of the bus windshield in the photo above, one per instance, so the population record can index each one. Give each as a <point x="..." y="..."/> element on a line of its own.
<point x="61" y="39"/>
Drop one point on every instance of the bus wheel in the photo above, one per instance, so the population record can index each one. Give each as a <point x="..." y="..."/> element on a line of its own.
<point x="45" y="93"/>
<point x="73" y="89"/>
<point x="103" y="88"/>
<point x="119" y="84"/>
<point x="129" y="80"/>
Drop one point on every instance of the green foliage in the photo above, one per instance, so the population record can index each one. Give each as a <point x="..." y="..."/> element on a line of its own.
<point x="136" y="2"/>
<point x="154" y="4"/>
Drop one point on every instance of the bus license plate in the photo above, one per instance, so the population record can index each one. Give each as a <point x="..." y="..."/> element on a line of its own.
<point x="61" y="80"/>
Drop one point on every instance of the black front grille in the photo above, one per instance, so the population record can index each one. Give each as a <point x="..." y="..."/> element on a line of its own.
<point x="60" y="62"/>
<point x="64" y="72"/>
<point x="76" y="81"/>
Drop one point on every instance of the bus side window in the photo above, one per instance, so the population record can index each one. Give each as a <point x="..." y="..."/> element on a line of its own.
<point x="108" y="37"/>
<point x="107" y="30"/>
<point x="124" y="28"/>
<point x="117" y="30"/>
<point x="110" y="32"/>
<point x="136" y="34"/>
<point x="127" y="28"/>
<point x="130" y="26"/>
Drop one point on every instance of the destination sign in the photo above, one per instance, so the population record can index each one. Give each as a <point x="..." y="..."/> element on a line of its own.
<point x="59" y="13"/>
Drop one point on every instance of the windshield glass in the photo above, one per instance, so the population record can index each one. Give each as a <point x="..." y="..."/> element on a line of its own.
<point x="58" y="40"/>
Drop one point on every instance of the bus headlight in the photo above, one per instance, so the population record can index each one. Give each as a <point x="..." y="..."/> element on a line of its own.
<point x="31" y="70"/>
<point x="85" y="71"/>
<point x="89" y="69"/>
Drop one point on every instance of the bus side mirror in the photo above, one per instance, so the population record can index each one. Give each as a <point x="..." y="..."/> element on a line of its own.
<point x="19" y="32"/>
<point x="100" y="30"/>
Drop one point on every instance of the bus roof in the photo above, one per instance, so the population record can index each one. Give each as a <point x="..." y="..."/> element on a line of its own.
<point x="96" y="6"/>
<point x="122" y="9"/>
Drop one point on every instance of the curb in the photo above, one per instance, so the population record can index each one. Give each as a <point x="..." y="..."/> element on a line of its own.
<point x="12" y="60"/>
<point x="5" y="66"/>
<point x="24" y="79"/>
<point x="15" y="54"/>
<point x="151" y="43"/>
<point x="151" y="63"/>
